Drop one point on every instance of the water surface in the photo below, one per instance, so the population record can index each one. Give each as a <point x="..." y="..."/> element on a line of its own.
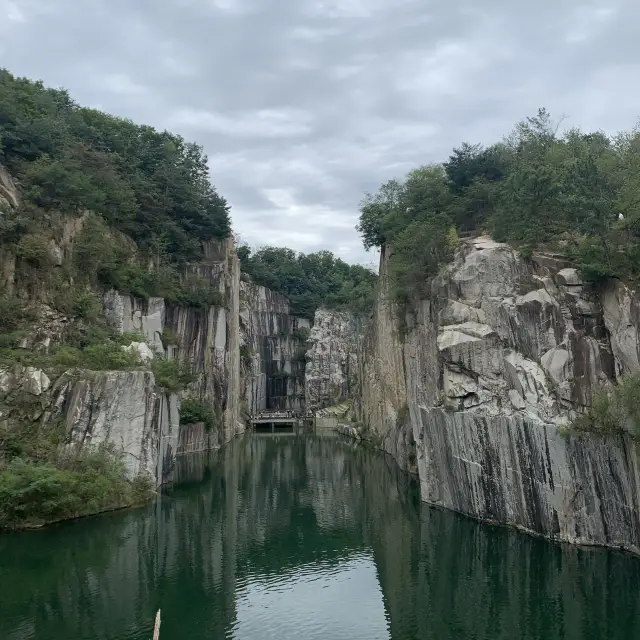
<point x="305" y="538"/>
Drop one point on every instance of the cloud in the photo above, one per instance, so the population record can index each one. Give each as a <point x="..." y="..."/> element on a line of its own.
<point x="264" y="123"/>
<point x="302" y="107"/>
<point x="122" y="84"/>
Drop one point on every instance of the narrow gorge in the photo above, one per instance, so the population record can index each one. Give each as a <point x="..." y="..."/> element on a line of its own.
<point x="135" y="328"/>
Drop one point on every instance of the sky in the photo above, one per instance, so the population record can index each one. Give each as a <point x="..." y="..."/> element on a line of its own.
<point x="303" y="106"/>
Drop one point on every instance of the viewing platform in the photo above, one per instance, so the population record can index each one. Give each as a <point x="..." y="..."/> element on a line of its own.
<point x="279" y="418"/>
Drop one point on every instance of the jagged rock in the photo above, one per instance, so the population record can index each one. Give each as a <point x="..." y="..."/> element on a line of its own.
<point x="569" y="278"/>
<point x="458" y="384"/>
<point x="35" y="381"/>
<point x="500" y="354"/>
<point x="622" y="318"/>
<point x="331" y="358"/>
<point x="124" y="409"/>
<point x="28" y="379"/>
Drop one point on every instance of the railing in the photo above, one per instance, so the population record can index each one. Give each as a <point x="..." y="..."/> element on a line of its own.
<point x="281" y="415"/>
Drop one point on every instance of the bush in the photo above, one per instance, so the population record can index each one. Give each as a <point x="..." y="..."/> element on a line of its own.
<point x="34" y="249"/>
<point x="108" y="356"/>
<point x="194" y="410"/>
<point x="85" y="305"/>
<point x="169" y="338"/>
<point x="32" y="494"/>
<point x="301" y="334"/>
<point x="612" y="410"/>
<point x="171" y="375"/>
<point x="13" y="314"/>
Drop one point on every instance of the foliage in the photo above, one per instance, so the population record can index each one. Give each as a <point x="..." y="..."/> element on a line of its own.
<point x="194" y="410"/>
<point x="169" y="338"/>
<point x="301" y="334"/>
<point x="13" y="314"/>
<point x="33" y="492"/>
<point x="535" y="188"/>
<point x="34" y="249"/>
<point x="312" y="280"/>
<point x="246" y="355"/>
<point x="107" y="356"/>
<point x="612" y="410"/>
<point x="171" y="375"/>
<point x="72" y="159"/>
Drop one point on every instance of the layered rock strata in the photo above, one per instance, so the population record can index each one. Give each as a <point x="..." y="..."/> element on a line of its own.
<point x="502" y="354"/>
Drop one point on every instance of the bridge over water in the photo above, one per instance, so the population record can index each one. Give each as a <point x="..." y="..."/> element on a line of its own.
<point x="282" y="418"/>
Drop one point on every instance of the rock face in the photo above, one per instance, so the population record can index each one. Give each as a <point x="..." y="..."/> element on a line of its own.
<point x="124" y="409"/>
<point x="332" y="358"/>
<point x="8" y="192"/>
<point x="208" y="339"/>
<point x="273" y="351"/>
<point x="382" y="403"/>
<point x="501" y="354"/>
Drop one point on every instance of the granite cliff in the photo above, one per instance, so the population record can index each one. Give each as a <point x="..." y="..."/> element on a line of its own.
<point x="476" y="392"/>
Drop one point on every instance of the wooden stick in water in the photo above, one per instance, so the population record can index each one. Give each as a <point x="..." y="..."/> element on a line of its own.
<point x="156" y="629"/>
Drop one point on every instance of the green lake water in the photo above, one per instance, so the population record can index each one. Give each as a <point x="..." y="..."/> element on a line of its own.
<point x="289" y="537"/>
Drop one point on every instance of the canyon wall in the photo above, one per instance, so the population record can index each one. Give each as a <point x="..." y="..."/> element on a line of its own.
<point x="492" y="366"/>
<point x="331" y="374"/>
<point x="206" y="339"/>
<point x="273" y="351"/>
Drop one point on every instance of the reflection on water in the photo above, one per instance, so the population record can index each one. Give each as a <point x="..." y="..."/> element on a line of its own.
<point x="306" y="538"/>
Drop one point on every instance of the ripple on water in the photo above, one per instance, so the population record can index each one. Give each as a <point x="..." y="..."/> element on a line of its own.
<point x="318" y="601"/>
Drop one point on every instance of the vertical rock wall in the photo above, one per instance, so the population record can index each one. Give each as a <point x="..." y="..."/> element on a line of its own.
<point x="495" y="361"/>
<point x="332" y="358"/>
<point x="123" y="409"/>
<point x="206" y="338"/>
<point x="272" y="352"/>
<point x="382" y="403"/>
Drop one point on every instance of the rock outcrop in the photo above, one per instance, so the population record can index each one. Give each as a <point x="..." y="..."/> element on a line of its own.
<point x="332" y="358"/>
<point x="494" y="363"/>
<point x="205" y="338"/>
<point x="382" y="402"/>
<point x="273" y="351"/>
<point x="123" y="409"/>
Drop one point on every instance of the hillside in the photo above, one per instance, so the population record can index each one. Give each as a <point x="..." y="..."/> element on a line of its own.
<point x="120" y="305"/>
<point x="575" y="193"/>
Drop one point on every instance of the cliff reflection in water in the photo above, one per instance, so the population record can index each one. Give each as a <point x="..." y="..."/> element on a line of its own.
<point x="305" y="537"/>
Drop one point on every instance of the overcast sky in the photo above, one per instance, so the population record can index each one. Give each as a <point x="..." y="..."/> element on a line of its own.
<point x="304" y="105"/>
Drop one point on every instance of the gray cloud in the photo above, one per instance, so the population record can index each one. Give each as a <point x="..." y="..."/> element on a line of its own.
<point x="304" y="106"/>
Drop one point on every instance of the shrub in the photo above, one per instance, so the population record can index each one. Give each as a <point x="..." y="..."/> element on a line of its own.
<point x="13" y="314"/>
<point x="169" y="338"/>
<point x="85" y="305"/>
<point x="246" y="355"/>
<point x="78" y="484"/>
<point x="611" y="410"/>
<point x="194" y="410"/>
<point x="108" y="356"/>
<point x="34" y="249"/>
<point x="301" y="334"/>
<point x="171" y="375"/>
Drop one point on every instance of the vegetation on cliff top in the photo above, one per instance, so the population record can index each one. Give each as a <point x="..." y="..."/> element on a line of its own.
<point x="154" y="187"/>
<point x="535" y="188"/>
<point x="311" y="280"/>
